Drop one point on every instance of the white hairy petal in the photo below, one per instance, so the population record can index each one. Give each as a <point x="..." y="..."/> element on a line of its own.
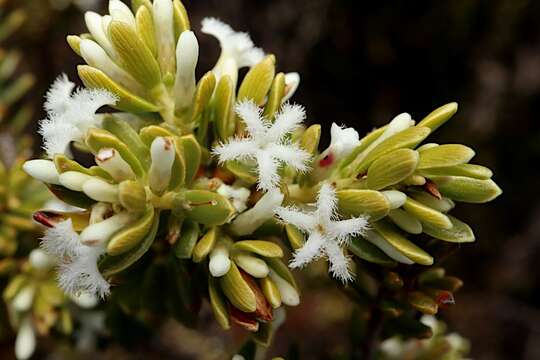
<point x="61" y="240"/>
<point x="339" y="263"/>
<point x="311" y="250"/>
<point x="235" y="149"/>
<point x="288" y="119"/>
<point x="303" y="221"/>
<point x="42" y="170"/>
<point x="59" y="94"/>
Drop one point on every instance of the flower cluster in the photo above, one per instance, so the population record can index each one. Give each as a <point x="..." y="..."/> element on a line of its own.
<point x="197" y="178"/>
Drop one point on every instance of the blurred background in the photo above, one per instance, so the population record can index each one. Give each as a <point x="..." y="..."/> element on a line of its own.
<point x="362" y="63"/>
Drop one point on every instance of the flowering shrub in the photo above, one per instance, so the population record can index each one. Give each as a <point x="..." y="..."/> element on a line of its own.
<point x="204" y="184"/>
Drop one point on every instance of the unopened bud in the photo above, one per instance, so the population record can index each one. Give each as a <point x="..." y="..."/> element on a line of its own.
<point x="111" y="161"/>
<point x="100" y="190"/>
<point x="187" y="54"/>
<point x="219" y="260"/>
<point x="97" y="234"/>
<point x="42" y="170"/>
<point x="73" y="180"/>
<point x="162" y="152"/>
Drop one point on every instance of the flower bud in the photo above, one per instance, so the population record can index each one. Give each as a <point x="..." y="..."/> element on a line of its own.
<point x="97" y="234"/>
<point x="94" y="23"/>
<point x="263" y="210"/>
<point x="73" y="180"/>
<point x="100" y="190"/>
<point x="289" y="295"/>
<point x="162" y="152"/>
<point x="24" y="299"/>
<point x="187" y="54"/>
<point x="111" y="161"/>
<point x="395" y="198"/>
<point x="25" y="344"/>
<point x="40" y="260"/>
<point x="164" y="25"/>
<point x="42" y="170"/>
<point x="254" y="266"/>
<point x="121" y="12"/>
<point x="219" y="260"/>
<point x="292" y="80"/>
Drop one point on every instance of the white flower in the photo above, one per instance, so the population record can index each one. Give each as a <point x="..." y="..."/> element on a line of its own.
<point x="238" y="196"/>
<point x="267" y="143"/>
<point x="250" y="220"/>
<point x="326" y="234"/>
<point x="237" y="49"/>
<point x="69" y="115"/>
<point x="344" y="140"/>
<point x="78" y="270"/>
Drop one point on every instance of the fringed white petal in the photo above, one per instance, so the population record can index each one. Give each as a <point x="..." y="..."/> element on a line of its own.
<point x="70" y="115"/>
<point x="251" y="114"/>
<point x="289" y="215"/>
<point x="235" y="44"/>
<point x="326" y="202"/>
<point x="339" y="263"/>
<point x="291" y="155"/>
<point x="311" y="250"/>
<point x="267" y="168"/>
<point x="235" y="149"/>
<point x="61" y="240"/>
<point x="81" y="273"/>
<point x="288" y="119"/>
<point x="59" y="95"/>
<point x="343" y="230"/>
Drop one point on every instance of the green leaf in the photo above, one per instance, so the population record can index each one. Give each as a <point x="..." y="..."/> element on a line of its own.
<point x="363" y="202"/>
<point x="110" y="265"/>
<point x="404" y="246"/>
<point x="458" y="233"/>
<point x="188" y="238"/>
<point x="439" y="116"/>
<point x="426" y="214"/>
<point x="259" y="247"/>
<point x="445" y="156"/>
<point x="392" y="168"/>
<point x="129" y="237"/>
<point x="466" y="189"/>
<point x="369" y="252"/>
<point x="207" y="207"/>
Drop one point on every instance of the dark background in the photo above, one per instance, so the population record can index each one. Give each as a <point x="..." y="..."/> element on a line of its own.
<point x="361" y="63"/>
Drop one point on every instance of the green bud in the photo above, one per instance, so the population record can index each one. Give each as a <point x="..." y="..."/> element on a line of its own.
<point x="458" y="233"/>
<point x="259" y="247"/>
<point x="132" y="235"/>
<point x="363" y="202"/>
<point x="392" y="168"/>
<point x="444" y="156"/>
<point x="252" y="265"/>
<point x="134" y="55"/>
<point x="426" y="214"/>
<point x="132" y="195"/>
<point x="258" y="81"/>
<point x="237" y="290"/>
<point x="466" y="189"/>
<point x="439" y="116"/>
<point x="75" y="43"/>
